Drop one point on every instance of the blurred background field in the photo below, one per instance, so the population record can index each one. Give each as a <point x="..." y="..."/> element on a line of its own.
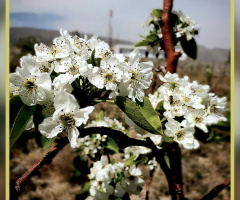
<point x="203" y="168"/>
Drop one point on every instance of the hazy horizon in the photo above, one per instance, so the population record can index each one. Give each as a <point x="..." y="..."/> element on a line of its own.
<point x="92" y="17"/>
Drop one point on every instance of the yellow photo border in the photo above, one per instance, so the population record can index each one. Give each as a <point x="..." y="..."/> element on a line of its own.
<point x="7" y="27"/>
<point x="232" y="185"/>
<point x="7" y="195"/>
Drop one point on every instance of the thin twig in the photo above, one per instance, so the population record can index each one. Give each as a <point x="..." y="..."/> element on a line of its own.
<point x="148" y="183"/>
<point x="173" y="176"/>
<point x="117" y="135"/>
<point x="47" y="159"/>
<point x="216" y="190"/>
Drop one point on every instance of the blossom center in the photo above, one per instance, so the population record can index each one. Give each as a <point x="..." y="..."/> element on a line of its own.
<point x="53" y="51"/>
<point x="79" y="44"/>
<point x="186" y="99"/>
<point x="30" y="84"/>
<point x="198" y="119"/>
<point x="44" y="69"/>
<point x="172" y="101"/>
<point x="67" y="120"/>
<point x="105" y="54"/>
<point x="180" y="135"/>
<point x="213" y="109"/>
<point x="73" y="70"/>
<point x="135" y="76"/>
<point x="109" y="77"/>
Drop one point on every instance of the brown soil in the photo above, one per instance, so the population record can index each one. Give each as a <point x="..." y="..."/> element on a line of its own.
<point x="203" y="168"/>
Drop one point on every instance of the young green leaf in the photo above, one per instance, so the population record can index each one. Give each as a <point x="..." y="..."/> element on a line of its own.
<point x="174" y="19"/>
<point x="111" y="145"/>
<point x="20" y="122"/>
<point x="149" y="113"/>
<point x="84" y="193"/>
<point x="130" y="161"/>
<point x="166" y="158"/>
<point x="99" y="116"/>
<point x="142" y="114"/>
<point x="152" y="37"/>
<point x="15" y="105"/>
<point x="46" y="142"/>
<point x="189" y="47"/>
<point x="141" y="43"/>
<point x="157" y="13"/>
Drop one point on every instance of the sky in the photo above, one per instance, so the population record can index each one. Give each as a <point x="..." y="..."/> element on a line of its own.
<point x="92" y="17"/>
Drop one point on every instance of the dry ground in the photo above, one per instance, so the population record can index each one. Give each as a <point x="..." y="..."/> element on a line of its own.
<point x="203" y="168"/>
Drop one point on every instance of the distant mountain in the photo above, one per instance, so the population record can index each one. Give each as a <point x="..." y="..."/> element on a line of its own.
<point x="215" y="55"/>
<point x="47" y="36"/>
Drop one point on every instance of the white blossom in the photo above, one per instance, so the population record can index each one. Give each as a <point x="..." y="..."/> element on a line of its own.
<point x="182" y="133"/>
<point x="139" y="77"/>
<point x="32" y="87"/>
<point x="67" y="117"/>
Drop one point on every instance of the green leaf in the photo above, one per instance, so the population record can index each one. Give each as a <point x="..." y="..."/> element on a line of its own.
<point x="20" y="122"/>
<point x="142" y="158"/>
<point x="93" y="56"/>
<point x="98" y="61"/>
<point x="156" y="26"/>
<point x="80" y="166"/>
<point x="149" y="113"/>
<point x="224" y="125"/>
<point x="152" y="37"/>
<point x="91" y="60"/>
<point x="112" y="160"/>
<point x="15" y="105"/>
<point x="104" y="95"/>
<point x="142" y="114"/>
<point x="166" y="158"/>
<point x="174" y="19"/>
<point x="99" y="116"/>
<point x="141" y="36"/>
<point x="141" y="43"/>
<point x="157" y="13"/>
<point x="159" y="106"/>
<point x="84" y="193"/>
<point x="46" y="142"/>
<point x="38" y="118"/>
<point x="111" y="145"/>
<point x="168" y="139"/>
<point x="189" y="47"/>
<point x="204" y="137"/>
<point x="130" y="161"/>
<point x="160" y="109"/>
<point x="211" y="136"/>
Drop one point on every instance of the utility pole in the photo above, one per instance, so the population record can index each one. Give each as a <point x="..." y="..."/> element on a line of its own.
<point x="110" y="30"/>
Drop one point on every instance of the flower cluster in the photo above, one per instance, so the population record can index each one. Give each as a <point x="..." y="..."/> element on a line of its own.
<point x="113" y="181"/>
<point x="74" y="72"/>
<point x="183" y="28"/>
<point x="91" y="144"/>
<point x="186" y="28"/>
<point x="186" y="105"/>
<point x="137" y="151"/>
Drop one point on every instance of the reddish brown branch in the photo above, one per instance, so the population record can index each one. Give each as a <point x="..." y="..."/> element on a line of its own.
<point x="148" y="183"/>
<point x="172" y="56"/>
<point x="125" y="141"/>
<point x="45" y="160"/>
<point x="174" y="174"/>
<point x="216" y="190"/>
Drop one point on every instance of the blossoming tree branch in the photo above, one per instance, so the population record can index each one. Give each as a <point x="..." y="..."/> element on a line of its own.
<point x="56" y="89"/>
